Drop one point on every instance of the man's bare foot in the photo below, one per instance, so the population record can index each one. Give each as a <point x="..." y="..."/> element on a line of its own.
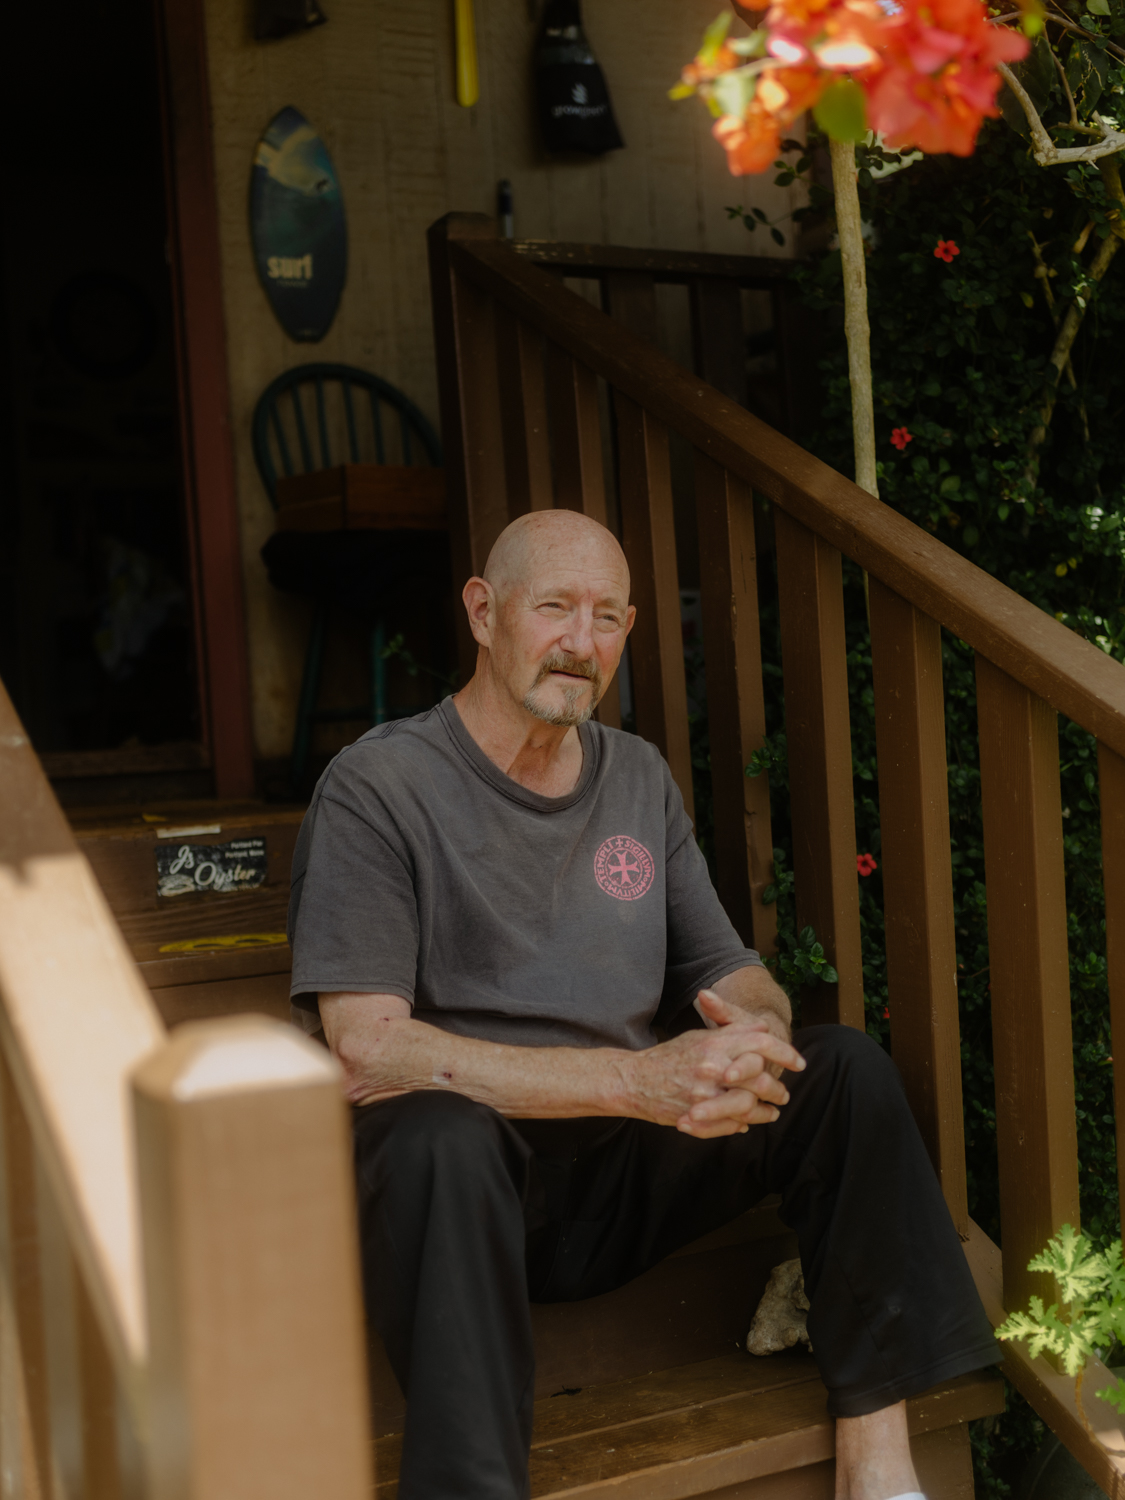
<point x="873" y="1456"/>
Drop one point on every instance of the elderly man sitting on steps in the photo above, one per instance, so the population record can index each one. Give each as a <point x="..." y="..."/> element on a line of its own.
<point x="494" y="905"/>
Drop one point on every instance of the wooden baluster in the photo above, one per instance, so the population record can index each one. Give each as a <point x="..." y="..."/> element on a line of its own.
<point x="523" y="401"/>
<point x="648" y="534"/>
<point x="576" y="433"/>
<point x="818" y="732"/>
<point x="257" y="1374"/>
<point x="918" y="881"/>
<point x="1111" y="788"/>
<point x="735" y="707"/>
<point x="718" y="339"/>
<point x="1029" y="972"/>
<point x="25" y="1419"/>
<point x="88" y="1418"/>
<point x="469" y="393"/>
<point x="630" y="298"/>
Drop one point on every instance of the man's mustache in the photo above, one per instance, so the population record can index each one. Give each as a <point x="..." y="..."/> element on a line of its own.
<point x="571" y="664"/>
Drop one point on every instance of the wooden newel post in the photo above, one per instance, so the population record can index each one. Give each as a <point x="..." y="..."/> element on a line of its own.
<point x="257" y="1370"/>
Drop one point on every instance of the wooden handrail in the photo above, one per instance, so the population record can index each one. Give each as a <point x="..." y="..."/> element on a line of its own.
<point x="75" y="1019"/>
<point x="161" y="1200"/>
<point x="1073" y="675"/>
<point x="669" y="267"/>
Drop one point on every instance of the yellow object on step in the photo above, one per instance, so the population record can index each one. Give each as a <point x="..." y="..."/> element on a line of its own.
<point x="468" y="79"/>
<point x="234" y="940"/>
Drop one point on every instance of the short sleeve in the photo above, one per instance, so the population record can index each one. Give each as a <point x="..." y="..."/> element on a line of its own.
<point x="353" y="916"/>
<point x="703" y="946"/>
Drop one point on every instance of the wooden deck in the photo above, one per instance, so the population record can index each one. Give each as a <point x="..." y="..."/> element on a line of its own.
<point x="735" y="1424"/>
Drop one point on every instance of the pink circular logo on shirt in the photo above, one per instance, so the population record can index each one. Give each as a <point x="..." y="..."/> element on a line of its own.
<point x="623" y="868"/>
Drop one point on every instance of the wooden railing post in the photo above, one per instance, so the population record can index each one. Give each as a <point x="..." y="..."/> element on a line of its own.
<point x="918" y="881"/>
<point x="736" y="713"/>
<point x="1111" y="789"/>
<point x="648" y="535"/>
<point x="1029" y="972"/>
<point x="718" y="338"/>
<point x="576" y="436"/>
<point x="469" y="395"/>
<point x="25" y="1421"/>
<point x="576" y="431"/>
<point x="818" y="732"/>
<point x="523" y="400"/>
<point x="257" y="1374"/>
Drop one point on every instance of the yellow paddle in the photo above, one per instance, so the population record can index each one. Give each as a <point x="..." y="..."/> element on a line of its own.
<point x="468" y="80"/>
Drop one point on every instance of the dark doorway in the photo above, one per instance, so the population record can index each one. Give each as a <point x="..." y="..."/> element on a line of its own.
<point x="96" y="633"/>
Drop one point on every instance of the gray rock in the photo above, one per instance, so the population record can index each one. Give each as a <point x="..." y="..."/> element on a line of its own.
<point x="1054" y="1474"/>
<point x="780" y="1321"/>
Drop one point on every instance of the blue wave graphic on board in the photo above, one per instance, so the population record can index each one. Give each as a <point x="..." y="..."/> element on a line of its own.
<point x="298" y="227"/>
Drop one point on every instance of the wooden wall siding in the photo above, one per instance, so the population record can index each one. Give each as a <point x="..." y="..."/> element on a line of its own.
<point x="377" y="82"/>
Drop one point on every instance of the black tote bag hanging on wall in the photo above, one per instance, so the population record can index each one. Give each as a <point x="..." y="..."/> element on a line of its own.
<point x="570" y="92"/>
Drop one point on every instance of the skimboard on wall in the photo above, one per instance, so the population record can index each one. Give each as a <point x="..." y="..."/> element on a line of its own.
<point x="298" y="227"/>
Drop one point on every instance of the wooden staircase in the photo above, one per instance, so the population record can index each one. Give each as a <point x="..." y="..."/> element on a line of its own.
<point x="646" y="1392"/>
<point x="247" y="968"/>
<point x="180" y="1312"/>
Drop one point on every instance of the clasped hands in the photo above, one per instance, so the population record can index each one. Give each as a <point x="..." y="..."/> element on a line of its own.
<point x="716" y="1082"/>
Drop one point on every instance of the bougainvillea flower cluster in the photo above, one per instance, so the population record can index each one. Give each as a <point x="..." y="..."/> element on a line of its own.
<point x="920" y="73"/>
<point x="937" y="79"/>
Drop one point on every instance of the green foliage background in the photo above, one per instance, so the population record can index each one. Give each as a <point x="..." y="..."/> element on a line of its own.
<point x="959" y="353"/>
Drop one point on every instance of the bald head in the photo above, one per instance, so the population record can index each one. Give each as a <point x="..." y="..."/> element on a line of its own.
<point x="550" y="615"/>
<point x="546" y="541"/>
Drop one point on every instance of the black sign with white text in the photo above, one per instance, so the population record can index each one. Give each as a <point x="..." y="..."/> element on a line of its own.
<point x="183" y="869"/>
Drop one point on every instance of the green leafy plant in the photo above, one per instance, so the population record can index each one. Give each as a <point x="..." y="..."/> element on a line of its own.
<point x="1091" y="1283"/>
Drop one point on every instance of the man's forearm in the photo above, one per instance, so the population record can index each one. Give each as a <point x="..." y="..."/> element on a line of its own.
<point x="383" y="1057"/>
<point x="704" y="1082"/>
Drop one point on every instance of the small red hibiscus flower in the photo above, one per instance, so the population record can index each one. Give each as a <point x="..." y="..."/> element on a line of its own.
<point x="900" y="437"/>
<point x="865" y="864"/>
<point x="886" y="1012"/>
<point x="946" y="250"/>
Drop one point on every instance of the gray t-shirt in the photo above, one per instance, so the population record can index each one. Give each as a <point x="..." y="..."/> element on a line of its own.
<point x="421" y="870"/>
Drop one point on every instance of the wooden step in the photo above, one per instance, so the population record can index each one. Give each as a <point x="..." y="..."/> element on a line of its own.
<point x="199" y="982"/>
<point x="725" y="1424"/>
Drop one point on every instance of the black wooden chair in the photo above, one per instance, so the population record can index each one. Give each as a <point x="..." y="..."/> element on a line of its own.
<point x="312" y="418"/>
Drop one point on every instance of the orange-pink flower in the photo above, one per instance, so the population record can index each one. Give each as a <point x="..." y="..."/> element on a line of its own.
<point x="753" y="141"/>
<point x="937" y="78"/>
<point x="927" y="69"/>
<point x="946" y="249"/>
<point x="900" y="437"/>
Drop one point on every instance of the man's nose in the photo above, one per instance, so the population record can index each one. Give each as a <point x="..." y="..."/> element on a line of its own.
<point x="578" y="639"/>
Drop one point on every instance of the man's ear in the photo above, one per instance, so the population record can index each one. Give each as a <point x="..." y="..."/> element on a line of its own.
<point x="630" y="618"/>
<point x="480" y="606"/>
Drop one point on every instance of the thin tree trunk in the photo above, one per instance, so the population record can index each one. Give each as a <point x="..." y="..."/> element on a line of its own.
<point x="856" y="326"/>
<point x="1064" y="342"/>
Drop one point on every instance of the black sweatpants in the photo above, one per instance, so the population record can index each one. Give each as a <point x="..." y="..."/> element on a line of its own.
<point x="466" y="1217"/>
